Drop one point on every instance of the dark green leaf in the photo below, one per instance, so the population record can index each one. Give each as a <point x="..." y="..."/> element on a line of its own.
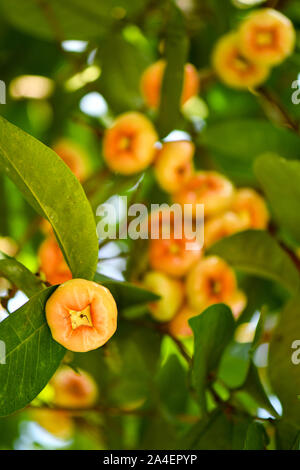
<point x="19" y="275"/>
<point x="234" y="364"/>
<point x="280" y="180"/>
<point x="283" y="373"/>
<point x="32" y="356"/>
<point x="287" y="435"/>
<point x="176" y="46"/>
<point x="213" y="330"/>
<point x="122" y="64"/>
<point x="256" y="252"/>
<point x="216" y="431"/>
<point x="256" y="438"/>
<point x="173" y="385"/>
<point x="254" y="388"/>
<point x="125" y="294"/>
<point x="236" y="144"/>
<point x="67" y="19"/>
<point x="52" y="189"/>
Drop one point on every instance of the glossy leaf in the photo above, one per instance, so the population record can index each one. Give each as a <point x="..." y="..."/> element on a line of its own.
<point x="283" y="370"/>
<point x="123" y="64"/>
<point x="19" y="275"/>
<point x="52" y="189"/>
<point x="67" y="19"/>
<point x="32" y="356"/>
<point x="256" y="438"/>
<point x="216" y="432"/>
<point x="213" y="330"/>
<point x="125" y="293"/>
<point x="256" y="252"/>
<point x="280" y="180"/>
<point x="235" y="144"/>
<point x="255" y="389"/>
<point x="175" y="54"/>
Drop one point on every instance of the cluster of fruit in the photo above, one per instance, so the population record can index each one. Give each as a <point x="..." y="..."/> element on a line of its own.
<point x="243" y="58"/>
<point x="188" y="281"/>
<point x="68" y="392"/>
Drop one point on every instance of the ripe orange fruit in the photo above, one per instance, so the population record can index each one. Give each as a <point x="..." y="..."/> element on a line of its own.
<point x="267" y="37"/>
<point x="129" y="145"/>
<point x="152" y="78"/>
<point x="233" y="68"/>
<point x="209" y="188"/>
<point x="173" y="165"/>
<point x="52" y="262"/>
<point x="82" y="315"/>
<point x="73" y="390"/>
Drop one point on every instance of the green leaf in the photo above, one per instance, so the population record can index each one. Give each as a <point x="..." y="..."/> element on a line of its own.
<point x="67" y="19"/>
<point x="134" y="356"/>
<point x="256" y="438"/>
<point x="32" y="356"/>
<point x="213" y="330"/>
<point x="287" y="435"/>
<point x="280" y="180"/>
<point x="284" y="374"/>
<point x="256" y="252"/>
<point x="176" y="47"/>
<point x="125" y="293"/>
<point x="173" y="372"/>
<point x="235" y="145"/>
<point x="234" y="364"/>
<point x="52" y="189"/>
<point x="254" y="388"/>
<point x="19" y="275"/>
<point x="216" y="432"/>
<point x="122" y="65"/>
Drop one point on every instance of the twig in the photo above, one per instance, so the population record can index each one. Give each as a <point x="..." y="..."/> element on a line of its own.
<point x="267" y="97"/>
<point x="51" y="19"/>
<point x="181" y="348"/>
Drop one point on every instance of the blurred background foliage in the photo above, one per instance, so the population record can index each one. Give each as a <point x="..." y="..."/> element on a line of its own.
<point x="70" y="67"/>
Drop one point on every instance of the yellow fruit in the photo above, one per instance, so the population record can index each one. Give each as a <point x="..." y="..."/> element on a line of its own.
<point x="152" y="78"/>
<point x="129" y="145"/>
<point x="170" y="291"/>
<point x="173" y="165"/>
<point x="82" y="315"/>
<point x="209" y="188"/>
<point x="249" y="205"/>
<point x="233" y="68"/>
<point x="267" y="37"/>
<point x="211" y="281"/>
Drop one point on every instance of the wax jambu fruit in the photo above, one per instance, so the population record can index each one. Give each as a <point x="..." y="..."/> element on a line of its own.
<point x="233" y="68"/>
<point x="57" y="422"/>
<point x="171" y="292"/>
<point x="251" y="206"/>
<point x="82" y="315"/>
<point x="174" y="165"/>
<point x="267" y="37"/>
<point x="179" y="325"/>
<point x="152" y="79"/>
<point x="213" y="281"/>
<point x="209" y="188"/>
<point x="74" y="389"/>
<point x="73" y="156"/>
<point x="224" y="225"/>
<point x="129" y="144"/>
<point x="52" y="262"/>
<point x="173" y="256"/>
